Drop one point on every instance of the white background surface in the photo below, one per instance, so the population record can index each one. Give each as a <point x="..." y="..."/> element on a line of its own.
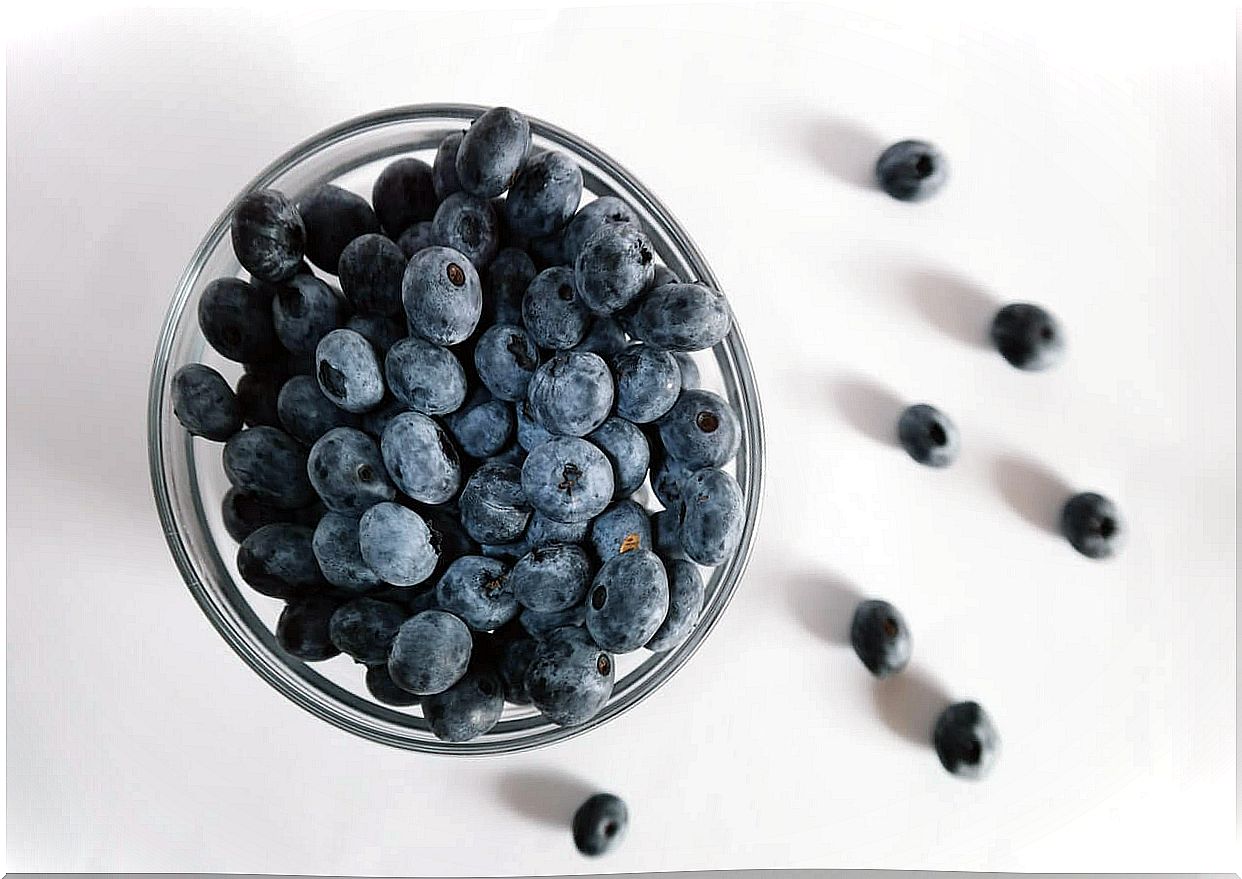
<point x="1092" y="172"/>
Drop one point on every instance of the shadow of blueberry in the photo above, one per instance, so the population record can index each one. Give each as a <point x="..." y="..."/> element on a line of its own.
<point x="1034" y="492"/>
<point x="870" y="407"/>
<point x="909" y="704"/>
<point x="954" y="305"/>
<point x="546" y="796"/>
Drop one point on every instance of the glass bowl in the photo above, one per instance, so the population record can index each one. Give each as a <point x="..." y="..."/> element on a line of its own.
<point x="189" y="482"/>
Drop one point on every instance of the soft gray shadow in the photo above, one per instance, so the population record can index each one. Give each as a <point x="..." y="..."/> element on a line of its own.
<point x="823" y="603"/>
<point x="869" y="406"/>
<point x="1035" y="493"/>
<point x="548" y="796"/>
<point x="909" y="704"/>
<point x="843" y="148"/>
<point x="953" y="304"/>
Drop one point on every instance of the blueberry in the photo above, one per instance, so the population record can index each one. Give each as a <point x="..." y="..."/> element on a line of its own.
<point x="334" y="217"/>
<point x="506" y="358"/>
<point x="530" y="433"/>
<point x="442" y="295"/>
<point x="544" y="195"/>
<point x="365" y="628"/>
<point x="492" y="152"/>
<point x="690" y="377"/>
<point x="236" y="320"/>
<point x="571" y="394"/>
<point x="648" y="382"/>
<point x="911" y="170"/>
<point x="377" y="420"/>
<point x="666" y="535"/>
<point x="381" y="685"/>
<point x="1028" y="336"/>
<point x="663" y="275"/>
<point x="244" y="514"/>
<point x="605" y="209"/>
<point x="469" y="225"/>
<point x="505" y="552"/>
<point x="382" y="332"/>
<point x="304" y="310"/>
<point x="605" y="338"/>
<point x="302" y="629"/>
<point x="628" y="601"/>
<point x="613" y="267"/>
<point x="257" y="396"/>
<point x="477" y="590"/>
<point x="712" y="515"/>
<point x="424" y="376"/>
<point x="420" y="458"/>
<point x="340" y="557"/>
<point x="700" y="430"/>
<point x="268" y="235"/>
<point x="397" y="544"/>
<point x="570" y="678"/>
<point x="494" y="508"/>
<point x="623" y="527"/>
<point x="514" y="454"/>
<point x="204" y="403"/>
<point x="599" y="824"/>
<point x="682" y="317"/>
<point x="881" y="638"/>
<point x="667" y="476"/>
<point x="1092" y="525"/>
<point x="277" y="560"/>
<point x="549" y="251"/>
<point x="417" y="237"/>
<point x="269" y="465"/>
<point x="430" y="653"/>
<point x="483" y="426"/>
<point x="444" y="167"/>
<point x="928" y="435"/>
<point x="348" y="371"/>
<point x="403" y="195"/>
<point x="448" y="537"/>
<point x="508" y="276"/>
<point x="306" y="413"/>
<point x="516" y="655"/>
<point x="539" y="624"/>
<point x="543" y="531"/>
<point x="552" y="312"/>
<point x="966" y="742"/>
<point x="551" y="577"/>
<point x="370" y="271"/>
<point x="685" y="605"/>
<point x="568" y="479"/>
<point x="469" y="708"/>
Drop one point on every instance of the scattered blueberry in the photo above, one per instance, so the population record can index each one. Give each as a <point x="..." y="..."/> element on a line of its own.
<point x="469" y="225"/>
<point x="365" y="628"/>
<point x="430" y="653"/>
<point x="269" y="465"/>
<point x="483" y="426"/>
<point x="236" y="320"/>
<point x="469" y="708"/>
<point x="304" y="310"/>
<point x="570" y="678"/>
<point x="348" y="371"/>
<point x="492" y="152"/>
<point x="700" y="430"/>
<point x="613" y="267"/>
<point x="477" y="590"/>
<point x="420" y="458"/>
<point x="685" y="604"/>
<point x="712" y="515"/>
<point x="605" y="209"/>
<point x="333" y="218"/>
<point x="277" y="560"/>
<point x="966" y="742"/>
<point x="397" y="544"/>
<point x="424" y="376"/>
<point x="568" y="479"/>
<point x="881" y="638"/>
<point x="928" y="435"/>
<point x="302" y="629"/>
<point x="628" y="601"/>
<point x="544" y="195"/>
<point x="1092" y="525"/>
<point x="442" y="295"/>
<point x="551" y="577"/>
<point x="444" y="168"/>
<point x="552" y="312"/>
<point x="1028" y="336"/>
<point x="571" y="394"/>
<point x="204" y="403"/>
<point x="268" y="235"/>
<point x="599" y="824"/>
<point x="340" y="557"/>
<point x="370" y="272"/>
<point x="494" y="508"/>
<point x="682" y="317"/>
<point x="648" y="382"/>
<point x="403" y="195"/>
<point x="623" y="527"/>
<point x="911" y="170"/>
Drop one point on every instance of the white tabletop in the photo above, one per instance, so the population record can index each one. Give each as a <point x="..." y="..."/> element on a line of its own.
<point x="1093" y="172"/>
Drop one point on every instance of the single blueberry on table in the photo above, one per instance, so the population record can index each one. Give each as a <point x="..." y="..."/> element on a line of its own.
<point x="204" y="403"/>
<point x="648" y="382"/>
<point x="364" y="629"/>
<point x="543" y="531"/>
<point x="881" y="638"/>
<point x="540" y="624"/>
<point x="666" y="535"/>
<point x="268" y="236"/>
<point x="516" y="655"/>
<point x="544" y="195"/>
<point x="469" y="225"/>
<point x="425" y="376"/>
<point x="682" y="317"/>
<point x="552" y="312"/>
<point x="506" y="358"/>
<point x="494" y="507"/>
<point x="492" y="152"/>
<point x="712" y="516"/>
<point x="928" y="436"/>
<point x="348" y="371"/>
<point x="1028" y="336"/>
<point x="690" y="377"/>
<point x="442" y="295"/>
<point x="302" y="629"/>
<point x="236" y="320"/>
<point x="623" y="527"/>
<point x="397" y="544"/>
<point x="370" y="272"/>
<point x="1092" y="525"/>
<point x="628" y="601"/>
<point x="551" y="577"/>
<point x="605" y="338"/>
<point x="483" y="426"/>
<point x="420" y="458"/>
<point x="605" y="209"/>
<point x="420" y="235"/>
<point x="333" y="218"/>
<point x="306" y="413"/>
<point x="571" y="394"/>
<point x="382" y="332"/>
<point x="430" y="653"/>
<point x="567" y="479"/>
<point x="258" y="394"/>
<point x="403" y="195"/>
<point x="685" y="606"/>
<point x="507" y="277"/>
<point x="700" y="430"/>
<point x="444" y="166"/>
<point x="269" y="465"/>
<point x="599" y="824"/>
<point x="304" y="310"/>
<point x="340" y="557"/>
<point x="477" y="590"/>
<point x="277" y="560"/>
<point x="244" y="514"/>
<point x="613" y="267"/>
<point x="911" y="170"/>
<point x="966" y="741"/>
<point x="469" y="708"/>
<point x="381" y="685"/>
<point x="571" y="677"/>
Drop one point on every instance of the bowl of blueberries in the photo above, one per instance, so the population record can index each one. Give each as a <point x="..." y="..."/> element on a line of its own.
<point x="453" y="436"/>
